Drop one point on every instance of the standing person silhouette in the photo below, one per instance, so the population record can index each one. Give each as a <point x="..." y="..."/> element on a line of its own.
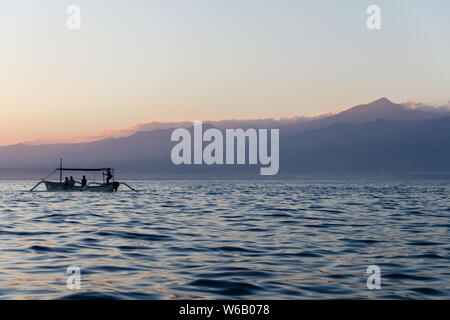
<point x="108" y="175"/>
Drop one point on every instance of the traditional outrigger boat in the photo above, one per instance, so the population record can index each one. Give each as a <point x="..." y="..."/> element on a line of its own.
<point x="108" y="184"/>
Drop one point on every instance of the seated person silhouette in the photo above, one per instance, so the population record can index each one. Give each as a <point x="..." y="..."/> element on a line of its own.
<point x="84" y="181"/>
<point x="71" y="182"/>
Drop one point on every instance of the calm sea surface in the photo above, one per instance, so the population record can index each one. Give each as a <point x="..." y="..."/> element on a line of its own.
<point x="227" y="240"/>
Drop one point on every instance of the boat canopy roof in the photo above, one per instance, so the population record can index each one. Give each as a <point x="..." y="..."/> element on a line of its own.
<point x="81" y="169"/>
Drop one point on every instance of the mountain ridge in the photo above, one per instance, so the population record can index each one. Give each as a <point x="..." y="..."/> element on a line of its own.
<point x="382" y="107"/>
<point x="344" y="144"/>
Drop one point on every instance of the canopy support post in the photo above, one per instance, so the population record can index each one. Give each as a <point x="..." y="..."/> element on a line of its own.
<point x="60" y="171"/>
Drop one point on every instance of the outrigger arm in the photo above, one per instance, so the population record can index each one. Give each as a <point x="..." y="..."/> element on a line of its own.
<point x="39" y="183"/>
<point x="128" y="186"/>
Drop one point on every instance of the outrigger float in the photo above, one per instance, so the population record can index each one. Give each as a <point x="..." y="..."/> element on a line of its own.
<point x="108" y="184"/>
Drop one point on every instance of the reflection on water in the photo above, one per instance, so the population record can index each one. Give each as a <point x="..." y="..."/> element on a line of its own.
<point x="254" y="240"/>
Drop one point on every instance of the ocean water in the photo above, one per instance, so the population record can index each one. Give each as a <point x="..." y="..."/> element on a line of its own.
<point x="228" y="240"/>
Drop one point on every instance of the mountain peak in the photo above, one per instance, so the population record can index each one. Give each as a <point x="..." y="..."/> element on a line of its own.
<point x="381" y="100"/>
<point x="378" y="106"/>
<point x="381" y="108"/>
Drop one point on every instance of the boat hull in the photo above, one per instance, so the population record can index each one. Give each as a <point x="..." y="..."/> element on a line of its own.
<point x="59" y="186"/>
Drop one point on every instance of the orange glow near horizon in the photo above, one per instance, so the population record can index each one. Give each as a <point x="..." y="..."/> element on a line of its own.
<point x="172" y="62"/>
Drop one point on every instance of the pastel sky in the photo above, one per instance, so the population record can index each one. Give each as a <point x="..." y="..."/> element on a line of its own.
<point x="138" y="61"/>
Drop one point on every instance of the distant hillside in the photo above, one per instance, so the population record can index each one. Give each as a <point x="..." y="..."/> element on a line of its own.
<point x="377" y="138"/>
<point x="384" y="146"/>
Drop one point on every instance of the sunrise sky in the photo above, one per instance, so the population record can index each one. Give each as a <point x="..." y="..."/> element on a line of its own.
<point x="174" y="60"/>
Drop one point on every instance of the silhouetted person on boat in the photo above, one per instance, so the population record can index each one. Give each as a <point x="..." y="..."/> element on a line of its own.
<point x="108" y="175"/>
<point x="71" y="182"/>
<point x="83" y="181"/>
<point x="66" y="183"/>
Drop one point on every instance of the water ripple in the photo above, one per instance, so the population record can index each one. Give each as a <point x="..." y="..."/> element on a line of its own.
<point x="233" y="239"/>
